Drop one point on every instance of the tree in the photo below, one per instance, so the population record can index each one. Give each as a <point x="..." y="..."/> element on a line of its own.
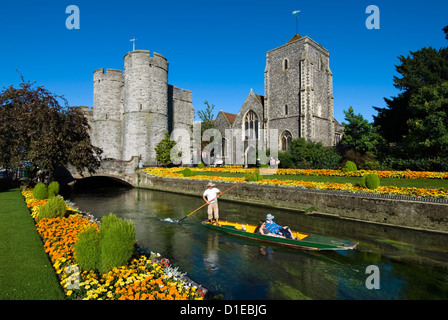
<point x="425" y="67"/>
<point x="163" y="150"/>
<point x="207" y="118"/>
<point x="359" y="134"/>
<point x="34" y="127"/>
<point x="427" y="135"/>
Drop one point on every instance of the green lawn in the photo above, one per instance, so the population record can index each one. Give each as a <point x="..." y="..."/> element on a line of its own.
<point x="26" y="272"/>
<point x="418" y="183"/>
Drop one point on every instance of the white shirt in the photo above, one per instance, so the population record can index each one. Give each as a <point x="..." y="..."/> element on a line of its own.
<point x="211" y="194"/>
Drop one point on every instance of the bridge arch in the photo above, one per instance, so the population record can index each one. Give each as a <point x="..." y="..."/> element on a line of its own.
<point x="100" y="181"/>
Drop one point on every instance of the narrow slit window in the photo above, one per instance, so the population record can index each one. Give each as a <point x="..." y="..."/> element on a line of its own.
<point x="285" y="65"/>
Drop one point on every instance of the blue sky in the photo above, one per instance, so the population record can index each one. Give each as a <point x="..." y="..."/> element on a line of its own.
<point x="215" y="48"/>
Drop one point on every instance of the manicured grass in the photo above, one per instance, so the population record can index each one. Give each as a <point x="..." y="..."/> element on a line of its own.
<point x="396" y="182"/>
<point x="26" y="272"/>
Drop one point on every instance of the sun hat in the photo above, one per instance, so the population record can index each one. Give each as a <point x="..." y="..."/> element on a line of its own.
<point x="210" y="184"/>
<point x="269" y="217"/>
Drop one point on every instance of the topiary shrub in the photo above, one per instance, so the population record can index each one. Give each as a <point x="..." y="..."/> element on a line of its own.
<point x="370" y="181"/>
<point x="87" y="249"/>
<point x="349" y="166"/>
<point x="53" y="189"/>
<point x="40" y="191"/>
<point x="55" y="207"/>
<point x="187" y="172"/>
<point x="201" y="165"/>
<point x="116" y="242"/>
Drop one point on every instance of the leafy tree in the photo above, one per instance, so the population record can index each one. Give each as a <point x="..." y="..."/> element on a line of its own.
<point x="163" y="150"/>
<point x="427" y="135"/>
<point x="425" y="67"/>
<point x="34" y="127"/>
<point x="207" y="119"/>
<point x="359" y="134"/>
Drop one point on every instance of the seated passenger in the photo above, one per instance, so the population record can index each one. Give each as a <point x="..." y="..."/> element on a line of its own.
<point x="276" y="229"/>
<point x="261" y="229"/>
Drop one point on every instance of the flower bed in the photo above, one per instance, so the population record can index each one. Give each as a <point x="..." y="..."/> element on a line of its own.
<point x="144" y="278"/>
<point x="440" y="193"/>
<point x="320" y="172"/>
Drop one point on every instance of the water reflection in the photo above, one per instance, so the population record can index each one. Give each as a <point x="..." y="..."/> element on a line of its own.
<point x="413" y="264"/>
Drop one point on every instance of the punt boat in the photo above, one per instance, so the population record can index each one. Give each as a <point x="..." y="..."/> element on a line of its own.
<point x="304" y="241"/>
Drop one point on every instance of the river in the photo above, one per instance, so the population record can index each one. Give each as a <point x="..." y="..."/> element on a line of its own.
<point x="408" y="264"/>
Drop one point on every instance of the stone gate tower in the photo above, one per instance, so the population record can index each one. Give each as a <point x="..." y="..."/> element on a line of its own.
<point x="133" y="110"/>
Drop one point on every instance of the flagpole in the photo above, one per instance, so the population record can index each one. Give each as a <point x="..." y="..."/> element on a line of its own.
<point x="133" y="44"/>
<point x="297" y="20"/>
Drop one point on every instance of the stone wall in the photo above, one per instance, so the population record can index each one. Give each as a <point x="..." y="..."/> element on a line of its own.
<point x="401" y="213"/>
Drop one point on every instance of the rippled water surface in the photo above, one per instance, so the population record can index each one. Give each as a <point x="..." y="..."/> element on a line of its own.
<point x="411" y="264"/>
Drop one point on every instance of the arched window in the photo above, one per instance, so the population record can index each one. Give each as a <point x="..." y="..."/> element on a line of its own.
<point x="286" y="109"/>
<point x="251" y="125"/>
<point x="285" y="140"/>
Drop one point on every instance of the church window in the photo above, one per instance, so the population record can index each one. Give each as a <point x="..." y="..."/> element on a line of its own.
<point x="320" y="64"/>
<point x="285" y="140"/>
<point x="286" y="109"/>
<point x="251" y="125"/>
<point x="285" y="64"/>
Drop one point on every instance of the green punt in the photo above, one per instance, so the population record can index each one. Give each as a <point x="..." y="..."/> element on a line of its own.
<point x="306" y="242"/>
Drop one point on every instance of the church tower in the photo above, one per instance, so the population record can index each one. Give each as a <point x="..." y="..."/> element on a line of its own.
<point x="299" y="92"/>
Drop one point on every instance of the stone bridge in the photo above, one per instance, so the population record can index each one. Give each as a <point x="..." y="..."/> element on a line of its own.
<point x="125" y="172"/>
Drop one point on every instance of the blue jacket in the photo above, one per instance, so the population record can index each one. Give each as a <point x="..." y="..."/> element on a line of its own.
<point x="273" y="227"/>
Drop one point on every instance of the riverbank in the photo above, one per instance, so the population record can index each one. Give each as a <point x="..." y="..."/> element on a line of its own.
<point x="144" y="277"/>
<point x="26" y="272"/>
<point x="413" y="214"/>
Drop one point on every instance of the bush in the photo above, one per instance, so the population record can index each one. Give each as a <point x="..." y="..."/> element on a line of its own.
<point x="309" y="155"/>
<point x="187" y="172"/>
<point x="53" y="189"/>
<point x="40" y="191"/>
<point x="286" y="160"/>
<point x="200" y="165"/>
<point x="87" y="249"/>
<point x="370" y="181"/>
<point x="55" y="207"/>
<point x="116" y="242"/>
<point x="349" y="166"/>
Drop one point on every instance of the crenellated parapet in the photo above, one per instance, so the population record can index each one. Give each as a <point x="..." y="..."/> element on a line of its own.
<point x="180" y="108"/>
